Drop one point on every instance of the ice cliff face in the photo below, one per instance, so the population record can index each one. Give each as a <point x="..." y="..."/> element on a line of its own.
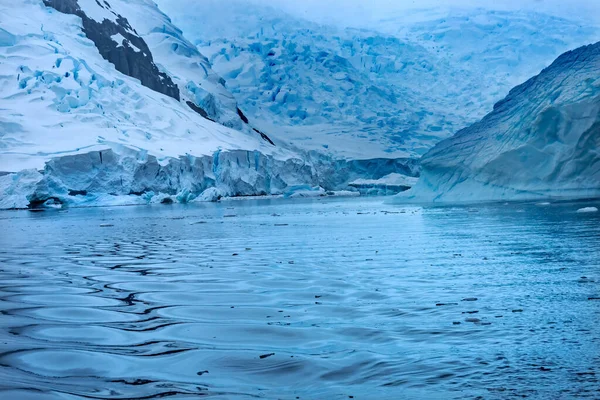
<point x="125" y="176"/>
<point x="541" y="141"/>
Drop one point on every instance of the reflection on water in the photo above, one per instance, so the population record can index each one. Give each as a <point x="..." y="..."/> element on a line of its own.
<point x="300" y="299"/>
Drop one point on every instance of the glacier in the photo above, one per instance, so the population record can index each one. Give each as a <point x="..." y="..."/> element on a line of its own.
<point x="60" y="96"/>
<point x="541" y="142"/>
<point x="393" y="88"/>
<point x="108" y="103"/>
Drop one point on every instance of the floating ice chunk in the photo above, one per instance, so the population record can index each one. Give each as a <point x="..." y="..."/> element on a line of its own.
<point x="587" y="210"/>
<point x="52" y="203"/>
<point x="393" y="179"/>
<point x="210" y="194"/>
<point x="304" y="191"/>
<point x="345" y="193"/>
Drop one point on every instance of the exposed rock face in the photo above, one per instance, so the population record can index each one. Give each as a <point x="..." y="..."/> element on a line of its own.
<point x="541" y="141"/>
<point x="199" y="110"/>
<point x="120" y="44"/>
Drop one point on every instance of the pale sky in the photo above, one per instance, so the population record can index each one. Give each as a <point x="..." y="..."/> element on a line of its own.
<point x="363" y="12"/>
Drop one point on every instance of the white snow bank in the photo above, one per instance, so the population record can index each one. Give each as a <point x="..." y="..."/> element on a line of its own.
<point x="97" y="11"/>
<point x="122" y="40"/>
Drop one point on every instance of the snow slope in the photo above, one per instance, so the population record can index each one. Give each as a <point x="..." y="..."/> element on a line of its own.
<point x="60" y="96"/>
<point x="182" y="61"/>
<point x="542" y="141"/>
<point x="393" y="89"/>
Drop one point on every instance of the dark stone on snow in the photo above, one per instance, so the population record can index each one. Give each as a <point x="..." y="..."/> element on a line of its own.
<point x="199" y="110"/>
<point x="242" y="116"/>
<point x="262" y="135"/>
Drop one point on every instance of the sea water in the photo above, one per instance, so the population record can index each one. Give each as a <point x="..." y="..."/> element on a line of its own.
<point x="301" y="299"/>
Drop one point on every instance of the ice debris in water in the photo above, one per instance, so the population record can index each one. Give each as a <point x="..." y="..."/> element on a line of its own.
<point x="587" y="210"/>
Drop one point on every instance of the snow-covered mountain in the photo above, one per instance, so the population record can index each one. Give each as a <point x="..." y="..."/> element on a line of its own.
<point x="542" y="141"/>
<point x="392" y="89"/>
<point x="71" y="83"/>
<point x="105" y="102"/>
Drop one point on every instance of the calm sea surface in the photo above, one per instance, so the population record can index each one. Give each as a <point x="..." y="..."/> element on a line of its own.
<point x="311" y="299"/>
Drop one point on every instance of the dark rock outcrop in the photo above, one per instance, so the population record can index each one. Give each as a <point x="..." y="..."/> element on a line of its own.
<point x="132" y="57"/>
<point x="198" y="110"/>
<point x="263" y="136"/>
<point x="242" y="116"/>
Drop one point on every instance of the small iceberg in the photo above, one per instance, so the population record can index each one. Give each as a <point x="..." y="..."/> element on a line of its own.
<point x="587" y="210"/>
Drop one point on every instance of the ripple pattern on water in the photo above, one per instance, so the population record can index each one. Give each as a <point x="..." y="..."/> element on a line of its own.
<point x="300" y="299"/>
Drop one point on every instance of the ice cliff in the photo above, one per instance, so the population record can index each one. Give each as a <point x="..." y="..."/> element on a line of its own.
<point x="542" y="141"/>
<point x="119" y="176"/>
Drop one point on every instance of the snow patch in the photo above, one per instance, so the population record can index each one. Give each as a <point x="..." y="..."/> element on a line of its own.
<point x="97" y="10"/>
<point x="122" y="40"/>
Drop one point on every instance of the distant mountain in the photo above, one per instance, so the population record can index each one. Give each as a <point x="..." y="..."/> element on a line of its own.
<point x="393" y="90"/>
<point x="542" y="141"/>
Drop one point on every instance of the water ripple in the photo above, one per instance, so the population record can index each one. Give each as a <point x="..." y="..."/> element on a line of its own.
<point x="300" y="299"/>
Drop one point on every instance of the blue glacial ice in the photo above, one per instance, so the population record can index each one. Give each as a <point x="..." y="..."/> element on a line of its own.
<point x="542" y="141"/>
